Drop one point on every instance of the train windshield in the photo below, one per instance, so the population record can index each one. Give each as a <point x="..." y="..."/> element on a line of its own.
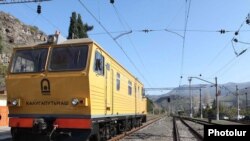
<point x="68" y="58"/>
<point x="29" y="60"/>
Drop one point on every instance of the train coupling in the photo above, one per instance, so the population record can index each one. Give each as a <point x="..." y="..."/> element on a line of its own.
<point x="39" y="125"/>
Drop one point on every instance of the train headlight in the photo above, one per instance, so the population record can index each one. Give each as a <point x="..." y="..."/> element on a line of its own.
<point x="75" y="101"/>
<point x="14" y="102"/>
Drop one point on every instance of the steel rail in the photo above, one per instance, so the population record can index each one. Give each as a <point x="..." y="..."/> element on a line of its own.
<point x="123" y="135"/>
<point x="176" y="135"/>
<point x="197" y="134"/>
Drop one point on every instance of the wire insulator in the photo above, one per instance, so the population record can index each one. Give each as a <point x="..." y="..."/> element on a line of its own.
<point x="248" y="21"/>
<point x="236" y="33"/>
<point x="235" y="40"/>
<point x="222" y="31"/>
<point x="112" y="1"/>
<point x="39" y="9"/>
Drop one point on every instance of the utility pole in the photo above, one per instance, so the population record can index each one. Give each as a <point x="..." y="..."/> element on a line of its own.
<point x="201" y="105"/>
<point x="246" y="98"/>
<point x="246" y="101"/>
<point x="216" y="93"/>
<point x="217" y="99"/>
<point x="190" y="94"/>
<point x="238" y="110"/>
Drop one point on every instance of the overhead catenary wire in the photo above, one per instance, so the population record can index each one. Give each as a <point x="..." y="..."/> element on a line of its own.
<point x="214" y="58"/>
<point x="129" y="38"/>
<point x="46" y="19"/>
<point x="234" y="39"/>
<point x="187" y="11"/>
<point x="224" y="66"/>
<point x="110" y="35"/>
<point x="119" y="18"/>
<point x="176" y="15"/>
<point x="174" y="31"/>
<point x="235" y="61"/>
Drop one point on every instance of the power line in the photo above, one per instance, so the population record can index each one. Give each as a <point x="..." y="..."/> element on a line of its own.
<point x="214" y="58"/>
<point x="184" y="40"/>
<point x="119" y="18"/>
<point x="222" y="68"/>
<point x="171" y="21"/>
<point x="130" y="40"/>
<point x="234" y="39"/>
<point x="110" y="35"/>
<point x="174" y="31"/>
<point x="20" y="1"/>
<point x="46" y="19"/>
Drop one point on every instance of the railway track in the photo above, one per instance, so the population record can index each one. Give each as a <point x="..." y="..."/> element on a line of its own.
<point x="125" y="134"/>
<point x="199" y="121"/>
<point x="188" y="129"/>
<point x="176" y="135"/>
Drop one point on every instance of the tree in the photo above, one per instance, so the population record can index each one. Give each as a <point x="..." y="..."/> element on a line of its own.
<point x="73" y="26"/>
<point x="150" y="105"/>
<point x="76" y="28"/>
<point x="1" y="45"/>
<point x="82" y="33"/>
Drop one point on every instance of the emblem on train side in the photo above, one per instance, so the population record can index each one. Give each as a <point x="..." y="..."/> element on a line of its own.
<point x="45" y="87"/>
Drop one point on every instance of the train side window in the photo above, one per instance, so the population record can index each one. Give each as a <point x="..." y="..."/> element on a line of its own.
<point x="99" y="63"/>
<point x="138" y="90"/>
<point x="129" y="87"/>
<point x="143" y="92"/>
<point x="135" y="90"/>
<point x="118" y="81"/>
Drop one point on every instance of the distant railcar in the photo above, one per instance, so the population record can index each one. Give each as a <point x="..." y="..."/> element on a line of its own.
<point x="72" y="90"/>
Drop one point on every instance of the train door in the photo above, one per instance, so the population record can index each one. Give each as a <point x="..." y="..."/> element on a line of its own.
<point x="135" y="99"/>
<point x="109" y="89"/>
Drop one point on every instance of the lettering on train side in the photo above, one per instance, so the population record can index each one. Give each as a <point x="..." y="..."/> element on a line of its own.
<point x="47" y="103"/>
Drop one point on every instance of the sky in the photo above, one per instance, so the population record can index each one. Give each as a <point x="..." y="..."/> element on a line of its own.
<point x="161" y="56"/>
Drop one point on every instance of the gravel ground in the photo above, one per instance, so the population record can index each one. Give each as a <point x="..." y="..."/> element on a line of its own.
<point x="162" y="130"/>
<point x="196" y="126"/>
<point x="185" y="134"/>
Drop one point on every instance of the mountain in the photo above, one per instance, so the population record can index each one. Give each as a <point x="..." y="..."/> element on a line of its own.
<point x="180" y="96"/>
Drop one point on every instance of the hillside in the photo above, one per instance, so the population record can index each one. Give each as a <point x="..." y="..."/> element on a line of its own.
<point x="14" y="33"/>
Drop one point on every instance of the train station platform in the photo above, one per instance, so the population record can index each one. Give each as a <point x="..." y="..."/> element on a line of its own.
<point x="4" y="132"/>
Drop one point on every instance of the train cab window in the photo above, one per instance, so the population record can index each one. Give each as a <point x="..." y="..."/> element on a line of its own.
<point x="68" y="58"/>
<point x="29" y="60"/>
<point x="129" y="87"/>
<point x="99" y="63"/>
<point x="118" y="81"/>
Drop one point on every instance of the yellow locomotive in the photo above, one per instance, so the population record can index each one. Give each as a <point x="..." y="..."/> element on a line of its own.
<point x="72" y="90"/>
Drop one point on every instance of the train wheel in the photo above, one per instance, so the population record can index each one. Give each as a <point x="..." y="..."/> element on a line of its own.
<point x="16" y="135"/>
<point x="95" y="137"/>
<point x="107" y="132"/>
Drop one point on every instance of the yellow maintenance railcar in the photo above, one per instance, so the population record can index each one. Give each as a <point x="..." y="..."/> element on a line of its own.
<point x="72" y="90"/>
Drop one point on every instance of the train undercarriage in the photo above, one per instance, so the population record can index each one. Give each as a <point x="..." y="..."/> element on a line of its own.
<point x="102" y="129"/>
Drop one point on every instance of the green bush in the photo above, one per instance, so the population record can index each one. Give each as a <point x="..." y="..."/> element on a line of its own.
<point x="34" y="29"/>
<point x="1" y="44"/>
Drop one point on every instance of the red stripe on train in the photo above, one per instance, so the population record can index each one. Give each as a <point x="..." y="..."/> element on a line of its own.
<point x="61" y="123"/>
<point x="21" y="122"/>
<point x="73" y="123"/>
